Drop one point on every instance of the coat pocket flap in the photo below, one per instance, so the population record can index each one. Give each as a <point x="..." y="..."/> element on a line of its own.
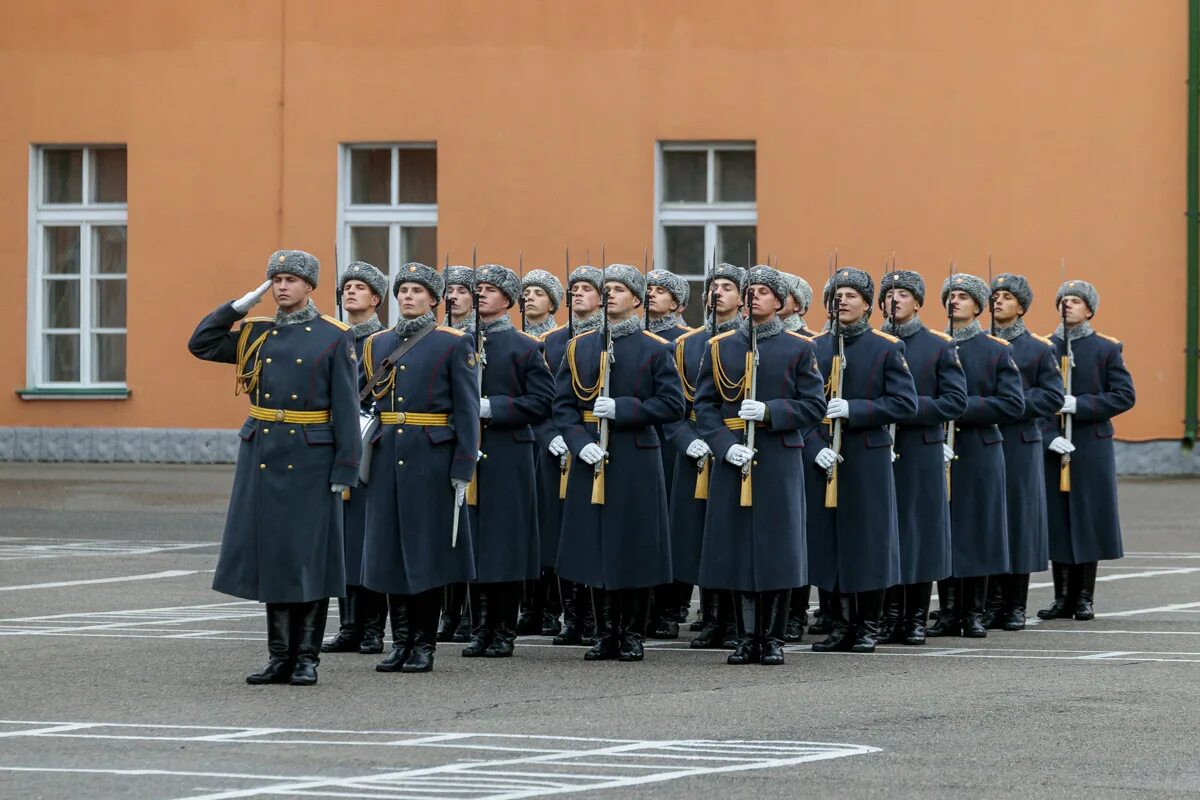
<point x="440" y="434"/>
<point x="646" y="438"/>
<point x="1104" y="430"/>
<point x="524" y="434"/>
<point x="318" y="434"/>
<point x="1031" y="434"/>
<point x="792" y="439"/>
<point x="934" y="434"/>
<point x="991" y="435"/>
<point x="878" y="438"/>
<point x="248" y="429"/>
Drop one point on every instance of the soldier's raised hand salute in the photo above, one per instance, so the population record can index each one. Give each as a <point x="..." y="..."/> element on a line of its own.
<point x="250" y="299"/>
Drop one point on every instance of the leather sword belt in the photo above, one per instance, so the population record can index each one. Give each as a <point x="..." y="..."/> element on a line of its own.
<point x="591" y="418"/>
<point x="735" y="423"/>
<point x="294" y="417"/>
<point x="413" y="418"/>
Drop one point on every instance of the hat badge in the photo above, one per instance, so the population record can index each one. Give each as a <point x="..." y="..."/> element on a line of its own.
<point x="282" y="259"/>
<point x="412" y="269"/>
<point x="354" y="269"/>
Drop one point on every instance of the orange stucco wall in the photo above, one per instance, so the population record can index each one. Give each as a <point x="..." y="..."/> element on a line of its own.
<point x="1032" y="131"/>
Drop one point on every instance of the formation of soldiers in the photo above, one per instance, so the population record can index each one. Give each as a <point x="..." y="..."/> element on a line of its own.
<point x="477" y="480"/>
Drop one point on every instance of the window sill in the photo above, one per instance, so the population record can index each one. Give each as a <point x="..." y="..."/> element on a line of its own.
<point x="71" y="393"/>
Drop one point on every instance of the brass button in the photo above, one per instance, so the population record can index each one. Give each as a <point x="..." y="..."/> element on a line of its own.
<point x="266" y="430"/>
<point x="400" y="463"/>
<point x="267" y="395"/>
<point x="268" y="361"/>
<point x="307" y="328"/>
<point x="402" y="368"/>
<point x="279" y="415"/>
<point x="274" y="333"/>
<point x="262" y="466"/>
<point x="484" y="456"/>
<point x="294" y="397"/>
<point x="399" y="431"/>
<point x="299" y="360"/>
<point x="399" y="399"/>
<point x="292" y="432"/>
<point x="289" y="466"/>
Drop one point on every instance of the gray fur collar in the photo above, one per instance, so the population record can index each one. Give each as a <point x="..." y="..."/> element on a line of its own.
<point x="589" y="323"/>
<point x="362" y="330"/>
<point x="495" y="326"/>
<point x="794" y="323"/>
<point x="772" y="327"/>
<point x="1010" y="332"/>
<point x="466" y="324"/>
<point x="625" y="327"/>
<point x="665" y="323"/>
<point x="904" y="329"/>
<point x="407" y="327"/>
<point x="1080" y="331"/>
<point x="538" y="328"/>
<point x="856" y="329"/>
<point x="309" y="312"/>
<point x="969" y="332"/>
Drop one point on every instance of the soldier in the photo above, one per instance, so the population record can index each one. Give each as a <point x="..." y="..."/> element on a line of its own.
<point x="693" y="462"/>
<point x="1085" y="523"/>
<point x="755" y="545"/>
<point x="517" y="390"/>
<point x="620" y="548"/>
<point x="978" y="511"/>
<point x="1023" y="449"/>
<point x="423" y="380"/>
<point x="854" y="547"/>
<point x="543" y="294"/>
<point x="299" y="451"/>
<point x="921" y="458"/>
<point x="362" y="613"/>
<point x="584" y="286"/>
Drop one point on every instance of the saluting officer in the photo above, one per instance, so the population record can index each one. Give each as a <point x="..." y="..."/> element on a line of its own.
<point x="921" y="457"/>
<point x="1023" y="453"/>
<point x="757" y="548"/>
<point x="978" y="509"/>
<point x="299" y="451"/>
<point x="854" y="548"/>
<point x="1085" y="523"/>
<point x="362" y="613"/>
<point x="620" y="547"/>
<point x="517" y="390"/>
<point x="423" y="381"/>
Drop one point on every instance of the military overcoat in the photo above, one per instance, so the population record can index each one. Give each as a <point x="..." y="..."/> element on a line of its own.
<point x="549" y="466"/>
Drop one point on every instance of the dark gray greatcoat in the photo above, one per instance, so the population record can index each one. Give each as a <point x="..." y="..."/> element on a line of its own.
<point x="672" y="335"/>
<point x="549" y="466"/>
<point x="855" y="547"/>
<point x="410" y="501"/>
<point x="685" y="512"/>
<point x="760" y="548"/>
<point x="624" y="543"/>
<point x="1085" y="523"/>
<point x="283" y="534"/>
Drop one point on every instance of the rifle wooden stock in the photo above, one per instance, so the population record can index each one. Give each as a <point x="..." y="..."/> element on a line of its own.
<point x="598" y="474"/>
<point x="751" y="378"/>
<point x="950" y="442"/>
<point x="835" y="391"/>
<point x="1064" y="464"/>
<point x="702" y="475"/>
<point x="598" y="483"/>
<point x="564" y="469"/>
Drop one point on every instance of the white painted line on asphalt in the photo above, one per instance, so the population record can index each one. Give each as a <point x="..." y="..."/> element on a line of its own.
<point x="1156" y="609"/>
<point x="17" y="548"/>
<point x="1152" y="573"/>
<point x="1162" y="555"/>
<point x="1114" y="654"/>
<point x="1102" y="631"/>
<point x="56" y="728"/>
<point x="160" y="772"/>
<point x="146" y="576"/>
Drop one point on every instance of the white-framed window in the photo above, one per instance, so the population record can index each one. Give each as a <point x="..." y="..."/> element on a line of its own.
<point x="78" y="229"/>
<point x="705" y="204"/>
<point x="387" y="209"/>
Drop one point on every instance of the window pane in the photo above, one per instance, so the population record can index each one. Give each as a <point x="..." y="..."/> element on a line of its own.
<point x="108" y="356"/>
<point x="108" y="248"/>
<point x="62" y="358"/>
<point x="62" y="176"/>
<point x="108" y="295"/>
<point x="108" y="175"/>
<point x="370" y="245"/>
<point x="732" y="241"/>
<point x="371" y="176"/>
<point x="62" y="303"/>
<point x="419" y="244"/>
<point x="693" y="315"/>
<point x="685" y="249"/>
<point x="418" y="176"/>
<point x="62" y="250"/>
<point x="685" y="178"/>
<point x="735" y="176"/>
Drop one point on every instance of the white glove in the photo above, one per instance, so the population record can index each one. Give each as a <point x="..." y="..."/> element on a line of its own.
<point x="947" y="453"/>
<point x="698" y="449"/>
<point x="338" y="488"/>
<point x="1068" y="405"/>
<point x="605" y="408"/>
<point x="460" y="490"/>
<point x="753" y="410"/>
<point x="592" y="453"/>
<point x="557" y="446"/>
<point x="485" y="408"/>
<point x="250" y="299"/>
<point x="838" y="408"/>
<point x="827" y="458"/>
<point x="738" y="454"/>
<point x="1061" y="446"/>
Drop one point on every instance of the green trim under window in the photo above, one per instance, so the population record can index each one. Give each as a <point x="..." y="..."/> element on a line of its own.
<point x="69" y="393"/>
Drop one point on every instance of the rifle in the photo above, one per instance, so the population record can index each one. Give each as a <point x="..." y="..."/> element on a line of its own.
<point x="337" y="270"/>
<point x="521" y="296"/>
<point x="951" y="429"/>
<point x="646" y="281"/>
<point x="704" y="462"/>
<point x="1065" y="366"/>
<point x="481" y="355"/>
<point x="570" y="303"/>
<point x="891" y="318"/>
<point x="750" y="380"/>
<point x="991" y="299"/>
<point x="836" y="370"/>
<point x="446" y="291"/>
<point x="606" y="360"/>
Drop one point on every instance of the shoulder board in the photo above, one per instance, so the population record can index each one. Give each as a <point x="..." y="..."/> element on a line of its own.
<point x="941" y="334"/>
<point x="1112" y="339"/>
<point x="335" y="321"/>
<point x="1004" y="342"/>
<point x="1041" y="339"/>
<point x="691" y="332"/>
<point x="721" y="336"/>
<point x="454" y="331"/>
<point x="541" y="337"/>
<point x="655" y="337"/>
<point x="528" y="335"/>
<point x="819" y="334"/>
<point x="259" y="319"/>
<point x="882" y="335"/>
<point x="798" y="335"/>
<point x="585" y="333"/>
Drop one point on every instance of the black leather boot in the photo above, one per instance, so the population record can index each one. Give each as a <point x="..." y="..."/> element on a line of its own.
<point x="280" y="661"/>
<point x="551" y="603"/>
<point x="402" y="638"/>
<point x="916" y="606"/>
<point x="971" y="602"/>
<point x="866" y="627"/>
<point x="773" y="617"/>
<point x="1086" y="581"/>
<point x="993" y="608"/>
<point x="823" y="619"/>
<point x="665" y="609"/>
<point x="949" y="621"/>
<point x="606" y="607"/>
<point x="1063" y="606"/>
<point x="635" y="621"/>
<point x="529" y="620"/>
<point x="683" y="601"/>
<point x="587" y="616"/>
<point x="505" y="598"/>
<point x="841" y="634"/>
<point x="797" y="614"/>
<point x="372" y="610"/>
<point x="483" y="619"/>
<point x="308" y="630"/>
<point x="1016" y="595"/>
<point x="349" y="634"/>
<point x="454" y="615"/>
<point x="722" y="612"/>
<point x="745" y="620"/>
<point x="708" y="611"/>
<point x="572" y="595"/>
<point x="891" y="620"/>
<point x="425" y="608"/>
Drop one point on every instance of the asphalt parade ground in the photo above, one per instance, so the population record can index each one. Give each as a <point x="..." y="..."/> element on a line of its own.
<point x="121" y="675"/>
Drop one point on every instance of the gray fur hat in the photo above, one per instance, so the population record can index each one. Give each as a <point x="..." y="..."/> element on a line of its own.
<point x="771" y="278"/>
<point x="459" y="276"/>
<point x="1016" y="285"/>
<point x="548" y="283"/>
<point x="295" y="262"/>
<point x="801" y="291"/>
<point x="852" y="278"/>
<point x="729" y="272"/>
<point x="903" y="279"/>
<point x="629" y="276"/>
<point x="587" y="274"/>
<point x="416" y="272"/>
<point x="973" y="286"/>
<point x="368" y="274"/>
<point x="503" y="279"/>
<point x="677" y="286"/>
<point x="1081" y="289"/>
